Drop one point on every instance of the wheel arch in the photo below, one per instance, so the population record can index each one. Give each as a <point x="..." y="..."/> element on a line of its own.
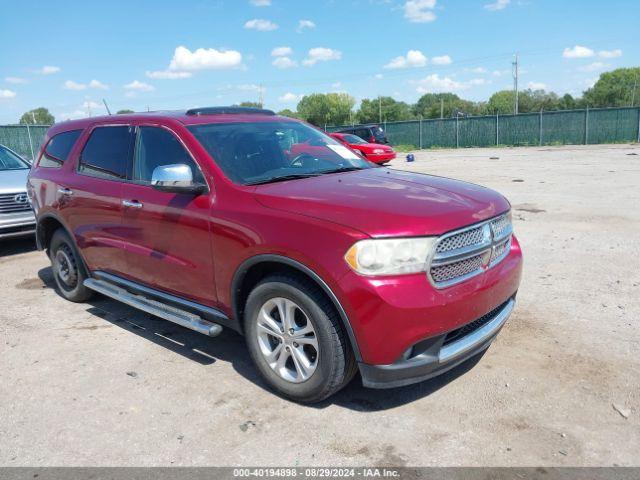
<point x="252" y="270"/>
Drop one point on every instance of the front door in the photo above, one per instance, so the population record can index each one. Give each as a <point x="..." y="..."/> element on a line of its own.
<point x="166" y="235"/>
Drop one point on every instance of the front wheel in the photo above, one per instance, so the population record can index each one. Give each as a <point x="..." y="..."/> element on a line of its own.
<point x="296" y="339"/>
<point x="68" y="270"/>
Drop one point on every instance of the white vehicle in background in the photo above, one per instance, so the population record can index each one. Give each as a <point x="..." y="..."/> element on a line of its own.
<point x="16" y="215"/>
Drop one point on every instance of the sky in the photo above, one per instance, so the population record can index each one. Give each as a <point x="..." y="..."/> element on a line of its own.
<point x="156" y="54"/>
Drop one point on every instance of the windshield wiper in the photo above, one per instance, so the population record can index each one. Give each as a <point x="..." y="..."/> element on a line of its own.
<point x="281" y="178"/>
<point x="341" y="169"/>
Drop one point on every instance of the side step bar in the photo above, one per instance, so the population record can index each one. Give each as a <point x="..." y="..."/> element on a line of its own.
<point x="159" y="309"/>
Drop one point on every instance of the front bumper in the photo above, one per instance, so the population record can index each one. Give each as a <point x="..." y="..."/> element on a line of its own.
<point x="434" y="356"/>
<point x="17" y="224"/>
<point x="381" y="157"/>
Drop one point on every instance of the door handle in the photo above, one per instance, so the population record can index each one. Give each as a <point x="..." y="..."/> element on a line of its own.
<point x="65" y="191"/>
<point x="131" y="204"/>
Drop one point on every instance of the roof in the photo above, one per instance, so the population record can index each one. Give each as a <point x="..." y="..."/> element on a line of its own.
<point x="195" y="116"/>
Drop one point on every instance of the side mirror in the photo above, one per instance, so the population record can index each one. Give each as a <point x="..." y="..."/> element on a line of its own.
<point x="176" y="178"/>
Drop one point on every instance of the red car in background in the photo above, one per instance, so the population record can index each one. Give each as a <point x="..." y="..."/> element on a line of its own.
<point x="374" y="152"/>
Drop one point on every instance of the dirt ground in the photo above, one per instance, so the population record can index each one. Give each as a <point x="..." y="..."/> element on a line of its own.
<point x="100" y="384"/>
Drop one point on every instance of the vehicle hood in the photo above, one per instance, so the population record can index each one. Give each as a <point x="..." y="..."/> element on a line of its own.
<point x="13" y="181"/>
<point x="382" y="202"/>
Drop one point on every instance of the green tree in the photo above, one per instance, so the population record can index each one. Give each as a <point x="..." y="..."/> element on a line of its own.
<point x="430" y="105"/>
<point x="618" y="88"/>
<point x="501" y="102"/>
<point x="391" y="110"/>
<point x="288" y="113"/>
<point x="250" y="104"/>
<point x="329" y="108"/>
<point x="567" y="102"/>
<point x="37" y="116"/>
<point x="126" y="110"/>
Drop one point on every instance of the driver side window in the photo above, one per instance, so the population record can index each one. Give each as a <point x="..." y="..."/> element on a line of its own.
<point x="156" y="147"/>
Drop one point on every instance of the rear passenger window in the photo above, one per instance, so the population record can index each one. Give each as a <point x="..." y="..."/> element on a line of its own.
<point x="58" y="149"/>
<point x="107" y="152"/>
<point x="156" y="147"/>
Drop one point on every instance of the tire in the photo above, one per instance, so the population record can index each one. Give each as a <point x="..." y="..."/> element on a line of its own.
<point x="68" y="269"/>
<point x="328" y="369"/>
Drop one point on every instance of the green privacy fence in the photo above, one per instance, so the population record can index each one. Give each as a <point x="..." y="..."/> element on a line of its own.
<point x="23" y="139"/>
<point x="566" y="127"/>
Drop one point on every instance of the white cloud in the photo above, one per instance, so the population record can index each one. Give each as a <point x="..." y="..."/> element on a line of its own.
<point x="419" y="11"/>
<point x="48" y="70"/>
<point x="284" y="63"/>
<point x="139" y="86"/>
<point x="321" y="54"/>
<point x="537" y="85"/>
<point x="7" y="93"/>
<point x="95" y="84"/>
<point x="71" y="85"/>
<point x="98" y="85"/>
<point x="593" y="67"/>
<point x="15" y="80"/>
<point x="610" y="53"/>
<point x="442" y="60"/>
<point x="497" y="5"/>
<point x="578" y="52"/>
<point x="204" y="59"/>
<point x="289" y="98"/>
<point x="378" y="76"/>
<point x="281" y="52"/>
<point x="90" y="104"/>
<point x="478" y="70"/>
<point x="434" y="83"/>
<point x="413" y="59"/>
<point x="500" y="73"/>
<point x="260" y="3"/>
<point x="303" y="24"/>
<point x="248" y="87"/>
<point x="167" y="75"/>
<point x="261" y="25"/>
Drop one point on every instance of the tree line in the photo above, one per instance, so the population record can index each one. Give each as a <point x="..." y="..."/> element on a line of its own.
<point x="617" y="88"/>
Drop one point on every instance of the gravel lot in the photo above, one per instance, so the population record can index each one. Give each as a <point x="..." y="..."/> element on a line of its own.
<point x="100" y="384"/>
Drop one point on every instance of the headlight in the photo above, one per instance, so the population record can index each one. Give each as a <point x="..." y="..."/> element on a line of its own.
<point x="390" y="256"/>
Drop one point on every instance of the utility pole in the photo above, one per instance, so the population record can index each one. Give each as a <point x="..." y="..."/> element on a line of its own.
<point x="261" y="99"/>
<point x="380" y="109"/>
<point x="633" y="93"/>
<point x="33" y="116"/>
<point x="515" y="83"/>
<point x="441" y="108"/>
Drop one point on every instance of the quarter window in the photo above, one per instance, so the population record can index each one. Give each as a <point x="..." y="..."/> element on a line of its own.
<point x="58" y="149"/>
<point x="156" y="147"/>
<point x="107" y="153"/>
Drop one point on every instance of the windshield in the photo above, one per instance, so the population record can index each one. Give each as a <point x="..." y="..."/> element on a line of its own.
<point x="353" y="139"/>
<point x="10" y="161"/>
<point x="265" y="152"/>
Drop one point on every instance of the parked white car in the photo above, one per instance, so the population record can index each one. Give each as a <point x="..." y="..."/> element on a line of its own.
<point x="16" y="215"/>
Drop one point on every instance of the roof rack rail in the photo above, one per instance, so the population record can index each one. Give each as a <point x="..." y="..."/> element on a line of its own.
<point x="229" y="111"/>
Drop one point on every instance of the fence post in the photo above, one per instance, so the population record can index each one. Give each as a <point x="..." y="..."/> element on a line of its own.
<point x="33" y="157"/>
<point x="540" y="127"/>
<point x="638" y="125"/>
<point x="420" y="131"/>
<point x="497" y="130"/>
<point x="586" y="126"/>
<point x="457" y="131"/>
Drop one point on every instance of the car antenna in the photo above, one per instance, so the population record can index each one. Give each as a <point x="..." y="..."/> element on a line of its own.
<point x="106" y="106"/>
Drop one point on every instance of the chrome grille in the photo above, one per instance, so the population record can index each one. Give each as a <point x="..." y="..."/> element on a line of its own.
<point x="460" y="240"/>
<point x="14" y="202"/>
<point x="470" y="251"/>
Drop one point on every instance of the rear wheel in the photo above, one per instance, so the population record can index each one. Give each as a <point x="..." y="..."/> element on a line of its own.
<point x="68" y="271"/>
<point x="296" y="340"/>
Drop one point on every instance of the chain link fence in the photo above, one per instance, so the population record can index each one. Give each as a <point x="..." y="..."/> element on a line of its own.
<point x="566" y="127"/>
<point x="25" y="140"/>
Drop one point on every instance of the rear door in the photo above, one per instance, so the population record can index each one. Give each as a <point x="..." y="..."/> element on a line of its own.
<point x="168" y="244"/>
<point x="90" y="196"/>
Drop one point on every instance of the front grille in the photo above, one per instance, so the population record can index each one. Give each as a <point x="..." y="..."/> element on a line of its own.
<point x="470" y="251"/>
<point x="460" y="240"/>
<point x="473" y="326"/>
<point x="9" y="202"/>
<point x="456" y="269"/>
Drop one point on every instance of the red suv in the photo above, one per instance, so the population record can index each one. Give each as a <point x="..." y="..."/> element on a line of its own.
<point x="238" y="218"/>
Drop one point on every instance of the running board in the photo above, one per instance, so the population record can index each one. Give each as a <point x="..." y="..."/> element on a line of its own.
<point x="159" y="309"/>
